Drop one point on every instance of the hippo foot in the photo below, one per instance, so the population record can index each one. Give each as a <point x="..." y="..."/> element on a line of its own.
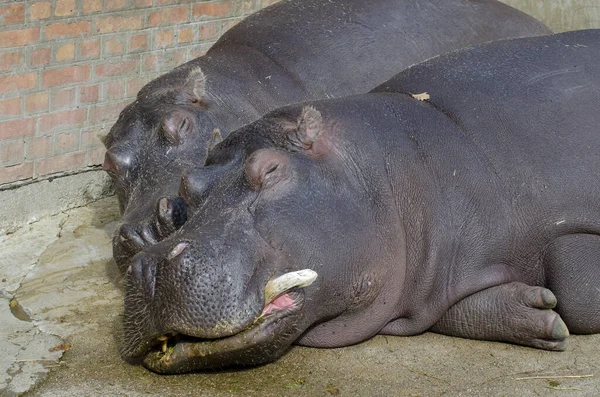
<point x="170" y="215"/>
<point x="514" y="312"/>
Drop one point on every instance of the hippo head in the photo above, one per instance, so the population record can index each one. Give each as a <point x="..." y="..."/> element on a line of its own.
<point x="277" y="206"/>
<point x="167" y="128"/>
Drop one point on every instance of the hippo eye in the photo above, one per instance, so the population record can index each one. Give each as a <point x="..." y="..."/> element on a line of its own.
<point x="184" y="124"/>
<point x="271" y="168"/>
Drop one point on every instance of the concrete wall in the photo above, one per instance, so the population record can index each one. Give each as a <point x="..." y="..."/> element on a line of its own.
<point x="562" y="15"/>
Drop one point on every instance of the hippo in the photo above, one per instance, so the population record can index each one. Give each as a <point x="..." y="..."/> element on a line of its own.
<point x="293" y="51"/>
<point x="462" y="197"/>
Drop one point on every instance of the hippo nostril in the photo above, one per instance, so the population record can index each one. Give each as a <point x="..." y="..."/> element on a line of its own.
<point x="131" y="238"/>
<point x="177" y="250"/>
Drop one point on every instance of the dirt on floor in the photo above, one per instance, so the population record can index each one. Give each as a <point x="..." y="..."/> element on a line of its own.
<point x="61" y="310"/>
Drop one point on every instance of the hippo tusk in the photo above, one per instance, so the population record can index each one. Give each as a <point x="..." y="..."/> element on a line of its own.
<point x="280" y="285"/>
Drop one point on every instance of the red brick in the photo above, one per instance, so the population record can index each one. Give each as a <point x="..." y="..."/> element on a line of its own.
<point x="208" y="31"/>
<point x="36" y="102"/>
<point x="64" y="98"/>
<point x="115" y="89"/>
<point x="16" y="38"/>
<point x="198" y="51"/>
<point x="134" y="85"/>
<point x="10" y="107"/>
<point x="63" y="162"/>
<point x="40" y="57"/>
<point x="170" y="59"/>
<point x="138" y="42"/>
<point x="65" y="52"/>
<point x="40" y="10"/>
<point x="114" y="4"/>
<point x="96" y="156"/>
<point x="89" y="93"/>
<point x="17" y="128"/>
<point x="164" y="38"/>
<point x="39" y="147"/>
<point x="13" y="151"/>
<point x="64" y="8"/>
<point x="169" y="15"/>
<point x="18" y="82"/>
<point x="68" y="29"/>
<point x="116" y="69"/>
<point x="108" y="112"/>
<point x="150" y="62"/>
<point x="222" y="9"/>
<point x="89" y="139"/>
<point x="185" y="35"/>
<point x="113" y="46"/>
<point x="73" y="74"/>
<point x="12" y="14"/>
<point x="10" y="59"/>
<point x="226" y="25"/>
<point x="65" y="143"/>
<point x="143" y="3"/>
<point x="16" y="172"/>
<point x="61" y="120"/>
<point x="90" y="6"/>
<point x="90" y="48"/>
<point x="116" y="24"/>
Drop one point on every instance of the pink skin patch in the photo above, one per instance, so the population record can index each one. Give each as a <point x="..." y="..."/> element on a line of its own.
<point x="281" y="302"/>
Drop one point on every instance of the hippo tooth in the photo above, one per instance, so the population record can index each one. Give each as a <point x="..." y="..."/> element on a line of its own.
<point x="164" y="339"/>
<point x="285" y="282"/>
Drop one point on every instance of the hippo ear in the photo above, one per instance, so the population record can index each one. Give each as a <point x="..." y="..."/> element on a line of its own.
<point x="195" y="85"/>
<point x="214" y="140"/>
<point x="265" y="168"/>
<point x="175" y="125"/>
<point x="307" y="130"/>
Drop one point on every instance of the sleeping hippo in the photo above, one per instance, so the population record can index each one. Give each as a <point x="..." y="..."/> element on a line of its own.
<point x="474" y="211"/>
<point x="296" y="50"/>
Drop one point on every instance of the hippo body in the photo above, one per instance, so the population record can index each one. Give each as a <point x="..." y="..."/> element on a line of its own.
<point x="293" y="51"/>
<point x="475" y="213"/>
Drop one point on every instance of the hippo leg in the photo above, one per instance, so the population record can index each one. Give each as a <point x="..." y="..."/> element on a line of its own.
<point x="513" y="312"/>
<point x="573" y="272"/>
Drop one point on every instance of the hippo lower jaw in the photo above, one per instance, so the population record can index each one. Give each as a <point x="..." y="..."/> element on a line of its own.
<point x="265" y="340"/>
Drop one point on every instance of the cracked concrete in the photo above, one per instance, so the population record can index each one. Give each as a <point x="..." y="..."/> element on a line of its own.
<point x="60" y="315"/>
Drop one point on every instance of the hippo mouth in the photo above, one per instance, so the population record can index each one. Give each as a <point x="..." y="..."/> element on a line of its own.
<point x="265" y="340"/>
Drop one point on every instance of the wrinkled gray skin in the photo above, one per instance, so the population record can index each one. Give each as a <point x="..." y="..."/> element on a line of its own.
<point x="470" y="214"/>
<point x="290" y="52"/>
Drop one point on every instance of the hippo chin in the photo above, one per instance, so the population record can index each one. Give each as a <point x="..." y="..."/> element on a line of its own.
<point x="475" y="213"/>
<point x="293" y="51"/>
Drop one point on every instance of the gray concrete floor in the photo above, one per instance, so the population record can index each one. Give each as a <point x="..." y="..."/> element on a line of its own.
<point x="60" y="313"/>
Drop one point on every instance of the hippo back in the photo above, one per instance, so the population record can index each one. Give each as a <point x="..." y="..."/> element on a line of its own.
<point x="336" y="47"/>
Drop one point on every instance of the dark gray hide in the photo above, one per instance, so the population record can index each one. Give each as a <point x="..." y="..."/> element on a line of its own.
<point x="469" y="214"/>
<point x="290" y="52"/>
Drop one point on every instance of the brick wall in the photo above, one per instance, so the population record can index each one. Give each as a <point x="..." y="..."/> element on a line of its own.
<point x="67" y="68"/>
